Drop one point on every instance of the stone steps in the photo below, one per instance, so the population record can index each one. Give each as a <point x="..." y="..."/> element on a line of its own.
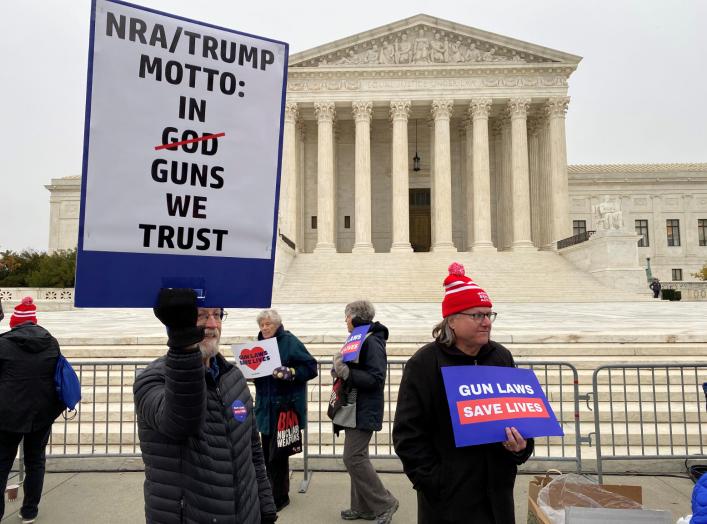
<point x="541" y="276"/>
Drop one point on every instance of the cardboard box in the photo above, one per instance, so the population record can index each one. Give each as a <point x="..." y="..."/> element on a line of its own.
<point x="537" y="516"/>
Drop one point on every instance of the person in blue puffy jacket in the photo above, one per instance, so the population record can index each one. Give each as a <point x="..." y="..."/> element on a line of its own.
<point x="699" y="502"/>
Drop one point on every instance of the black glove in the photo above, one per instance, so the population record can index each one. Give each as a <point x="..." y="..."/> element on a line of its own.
<point x="176" y="309"/>
<point x="268" y="517"/>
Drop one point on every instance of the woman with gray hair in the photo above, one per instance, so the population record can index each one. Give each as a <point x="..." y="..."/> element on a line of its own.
<point x="370" y="500"/>
<point x="286" y="385"/>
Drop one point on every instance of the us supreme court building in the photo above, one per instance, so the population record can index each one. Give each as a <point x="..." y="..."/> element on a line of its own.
<point x="429" y="135"/>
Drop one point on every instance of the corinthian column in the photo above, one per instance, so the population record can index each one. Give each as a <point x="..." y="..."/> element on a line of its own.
<point x="288" y="181"/>
<point x="555" y="108"/>
<point x="326" y="193"/>
<point x="362" y="178"/>
<point x="442" y="178"/>
<point x="399" y="111"/>
<point x="518" y="111"/>
<point x="479" y="109"/>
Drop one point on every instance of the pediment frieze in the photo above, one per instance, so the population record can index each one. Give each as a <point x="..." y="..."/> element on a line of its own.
<point x="424" y="41"/>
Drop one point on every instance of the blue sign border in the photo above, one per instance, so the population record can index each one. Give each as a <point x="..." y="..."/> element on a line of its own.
<point x="119" y="279"/>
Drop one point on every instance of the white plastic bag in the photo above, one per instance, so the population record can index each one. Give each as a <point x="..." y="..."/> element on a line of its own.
<point x="575" y="490"/>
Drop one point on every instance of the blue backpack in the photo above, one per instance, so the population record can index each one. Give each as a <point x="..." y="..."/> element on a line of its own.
<point x="67" y="384"/>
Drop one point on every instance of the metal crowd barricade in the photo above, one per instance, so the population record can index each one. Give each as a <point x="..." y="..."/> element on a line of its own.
<point x="649" y="412"/>
<point x="106" y="426"/>
<point x="559" y="380"/>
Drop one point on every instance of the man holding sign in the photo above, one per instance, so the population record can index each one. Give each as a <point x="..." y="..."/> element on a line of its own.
<point x="199" y="441"/>
<point x="472" y="483"/>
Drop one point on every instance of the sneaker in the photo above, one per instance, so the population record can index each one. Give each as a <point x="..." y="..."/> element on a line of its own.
<point x="352" y="514"/>
<point x="387" y="515"/>
<point x="26" y="520"/>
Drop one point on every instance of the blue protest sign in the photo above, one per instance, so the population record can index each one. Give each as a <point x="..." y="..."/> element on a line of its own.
<point x="352" y="346"/>
<point x="484" y="400"/>
<point x="181" y="162"/>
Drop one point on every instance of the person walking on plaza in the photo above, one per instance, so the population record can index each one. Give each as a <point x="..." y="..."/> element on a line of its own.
<point x="370" y="500"/>
<point x="286" y="386"/>
<point x="655" y="286"/>
<point x="199" y="441"/>
<point x="466" y="484"/>
<point x="28" y="356"/>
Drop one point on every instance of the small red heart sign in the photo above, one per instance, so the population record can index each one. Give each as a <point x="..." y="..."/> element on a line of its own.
<point x="252" y="357"/>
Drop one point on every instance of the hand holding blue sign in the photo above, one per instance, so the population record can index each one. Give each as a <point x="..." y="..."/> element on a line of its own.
<point x="515" y="442"/>
<point x="176" y="309"/>
<point x="482" y="399"/>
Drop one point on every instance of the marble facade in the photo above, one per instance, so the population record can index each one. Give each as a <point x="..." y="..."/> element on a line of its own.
<point x="485" y="115"/>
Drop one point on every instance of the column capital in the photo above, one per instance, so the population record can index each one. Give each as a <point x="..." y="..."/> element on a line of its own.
<point x="442" y="109"/>
<point x="399" y="109"/>
<point x="480" y="107"/>
<point x="325" y="111"/>
<point x="518" y="107"/>
<point x="557" y="106"/>
<point x="291" y="112"/>
<point x="362" y="111"/>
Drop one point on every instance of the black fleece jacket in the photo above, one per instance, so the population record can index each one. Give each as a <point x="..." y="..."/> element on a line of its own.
<point x="455" y="485"/>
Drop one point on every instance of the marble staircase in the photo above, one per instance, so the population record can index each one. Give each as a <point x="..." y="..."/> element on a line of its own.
<point x="537" y="276"/>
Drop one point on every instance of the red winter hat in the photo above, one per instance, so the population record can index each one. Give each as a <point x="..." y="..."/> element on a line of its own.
<point x="25" y="311"/>
<point x="460" y="292"/>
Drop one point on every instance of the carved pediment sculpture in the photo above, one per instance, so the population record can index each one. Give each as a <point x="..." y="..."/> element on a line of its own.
<point x="421" y="45"/>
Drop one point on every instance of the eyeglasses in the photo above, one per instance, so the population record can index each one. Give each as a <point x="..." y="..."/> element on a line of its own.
<point x="203" y="316"/>
<point x="478" y="317"/>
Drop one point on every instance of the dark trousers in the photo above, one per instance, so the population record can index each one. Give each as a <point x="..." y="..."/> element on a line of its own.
<point x="35" y="444"/>
<point x="278" y="472"/>
<point x="368" y="495"/>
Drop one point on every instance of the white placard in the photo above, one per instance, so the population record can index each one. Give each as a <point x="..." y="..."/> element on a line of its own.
<point x="158" y="79"/>
<point x="257" y="359"/>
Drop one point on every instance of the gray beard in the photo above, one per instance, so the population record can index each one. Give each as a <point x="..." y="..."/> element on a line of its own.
<point x="209" y="348"/>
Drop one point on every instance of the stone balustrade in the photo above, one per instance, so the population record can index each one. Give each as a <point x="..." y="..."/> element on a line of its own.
<point x="691" y="291"/>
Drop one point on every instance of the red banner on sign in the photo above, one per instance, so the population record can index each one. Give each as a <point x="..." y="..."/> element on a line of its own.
<point x="504" y="408"/>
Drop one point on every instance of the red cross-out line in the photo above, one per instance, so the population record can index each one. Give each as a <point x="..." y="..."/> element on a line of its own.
<point x="190" y="141"/>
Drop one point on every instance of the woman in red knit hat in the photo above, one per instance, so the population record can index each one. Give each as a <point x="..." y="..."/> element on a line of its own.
<point x="465" y="484"/>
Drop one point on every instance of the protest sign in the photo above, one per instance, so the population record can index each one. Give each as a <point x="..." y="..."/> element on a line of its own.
<point x="257" y="359"/>
<point x="182" y="148"/>
<point x="352" y="346"/>
<point x="484" y="400"/>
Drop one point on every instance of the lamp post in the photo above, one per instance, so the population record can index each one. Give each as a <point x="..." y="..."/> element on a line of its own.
<point x="649" y="273"/>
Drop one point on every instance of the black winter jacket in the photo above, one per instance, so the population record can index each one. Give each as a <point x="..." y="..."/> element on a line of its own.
<point x="368" y="376"/>
<point x="28" y="355"/>
<point x="455" y="485"/>
<point x="202" y="464"/>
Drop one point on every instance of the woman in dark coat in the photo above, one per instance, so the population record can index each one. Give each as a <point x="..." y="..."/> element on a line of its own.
<point x="370" y="500"/>
<point x="287" y="385"/>
<point x="465" y="484"/>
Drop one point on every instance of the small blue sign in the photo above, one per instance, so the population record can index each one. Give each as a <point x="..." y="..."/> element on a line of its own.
<point x="352" y="346"/>
<point x="239" y="410"/>
<point x="484" y="400"/>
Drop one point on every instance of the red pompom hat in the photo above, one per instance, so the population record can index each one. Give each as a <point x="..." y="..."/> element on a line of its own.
<point x="460" y="292"/>
<point x="25" y="311"/>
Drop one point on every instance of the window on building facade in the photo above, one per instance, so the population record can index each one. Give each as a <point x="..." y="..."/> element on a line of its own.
<point x="702" y="231"/>
<point x="677" y="274"/>
<point x="347" y="222"/>
<point x="642" y="229"/>
<point x="579" y="227"/>
<point x="673" y="227"/>
<point x="314" y="222"/>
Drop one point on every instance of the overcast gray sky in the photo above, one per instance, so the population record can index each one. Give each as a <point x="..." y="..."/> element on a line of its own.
<point x="638" y="96"/>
